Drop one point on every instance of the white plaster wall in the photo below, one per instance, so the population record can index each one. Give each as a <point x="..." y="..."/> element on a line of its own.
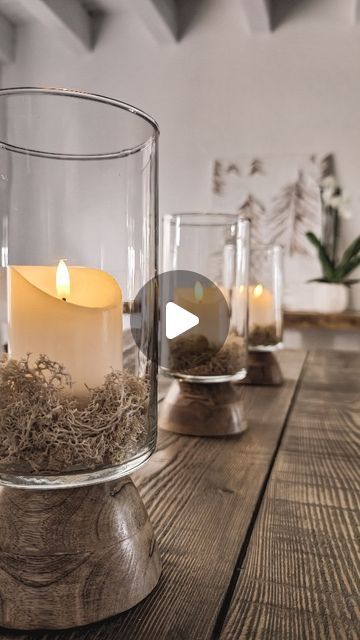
<point x="222" y="91"/>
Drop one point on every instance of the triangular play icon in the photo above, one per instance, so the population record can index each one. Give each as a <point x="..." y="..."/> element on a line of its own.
<point x="178" y="320"/>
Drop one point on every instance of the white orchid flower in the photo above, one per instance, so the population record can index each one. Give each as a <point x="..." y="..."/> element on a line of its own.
<point x="345" y="214"/>
<point x="329" y="182"/>
<point x="327" y="194"/>
<point x="336" y="202"/>
<point x="344" y="211"/>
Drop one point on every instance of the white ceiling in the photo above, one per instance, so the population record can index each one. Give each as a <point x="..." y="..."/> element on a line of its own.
<point x="71" y="20"/>
<point x="329" y="10"/>
<point x="111" y="6"/>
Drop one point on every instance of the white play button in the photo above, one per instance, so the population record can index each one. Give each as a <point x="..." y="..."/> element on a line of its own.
<point x="191" y="317"/>
<point x="178" y="320"/>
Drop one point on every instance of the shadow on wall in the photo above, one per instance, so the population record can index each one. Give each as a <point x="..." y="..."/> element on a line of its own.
<point x="283" y="9"/>
<point x="190" y="13"/>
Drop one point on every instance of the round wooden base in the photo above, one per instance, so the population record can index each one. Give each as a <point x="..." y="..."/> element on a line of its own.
<point x="202" y="410"/>
<point x="263" y="369"/>
<point x="74" y="556"/>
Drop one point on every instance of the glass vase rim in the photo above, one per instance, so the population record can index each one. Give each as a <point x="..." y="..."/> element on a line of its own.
<point x="80" y="95"/>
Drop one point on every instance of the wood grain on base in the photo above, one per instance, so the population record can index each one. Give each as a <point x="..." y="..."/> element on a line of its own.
<point x="72" y="556"/>
<point x="202" y="410"/>
<point x="301" y="575"/>
<point x="263" y="368"/>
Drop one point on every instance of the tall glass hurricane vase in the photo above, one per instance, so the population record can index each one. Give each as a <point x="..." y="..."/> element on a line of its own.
<point x="78" y="205"/>
<point x="205" y="361"/>
<point x="265" y="298"/>
<point x="216" y="246"/>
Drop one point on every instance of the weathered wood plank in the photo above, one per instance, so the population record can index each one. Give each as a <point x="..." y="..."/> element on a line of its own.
<point x="200" y="494"/>
<point x="301" y="577"/>
<point x="347" y="321"/>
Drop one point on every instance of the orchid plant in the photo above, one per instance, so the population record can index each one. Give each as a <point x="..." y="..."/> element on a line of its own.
<point x="337" y="272"/>
<point x="335" y="208"/>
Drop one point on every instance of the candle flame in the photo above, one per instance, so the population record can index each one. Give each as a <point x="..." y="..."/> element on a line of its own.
<point x="198" y="291"/>
<point x="62" y="281"/>
<point x="258" y="291"/>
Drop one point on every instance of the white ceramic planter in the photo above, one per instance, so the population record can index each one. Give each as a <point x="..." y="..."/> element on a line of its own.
<point x="331" y="298"/>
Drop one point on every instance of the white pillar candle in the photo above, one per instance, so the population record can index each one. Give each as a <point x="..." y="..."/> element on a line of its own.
<point x="204" y="302"/>
<point x="73" y="316"/>
<point x="261" y="307"/>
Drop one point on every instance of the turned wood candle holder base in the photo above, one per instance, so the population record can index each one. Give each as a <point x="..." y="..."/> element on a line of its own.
<point x="210" y="410"/>
<point x="70" y="557"/>
<point x="263" y="369"/>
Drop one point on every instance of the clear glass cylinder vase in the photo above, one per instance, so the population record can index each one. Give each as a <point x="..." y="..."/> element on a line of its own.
<point x="265" y="298"/>
<point x="215" y="246"/>
<point x="78" y="205"/>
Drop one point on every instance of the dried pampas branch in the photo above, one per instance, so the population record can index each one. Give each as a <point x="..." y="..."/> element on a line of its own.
<point x="44" y="430"/>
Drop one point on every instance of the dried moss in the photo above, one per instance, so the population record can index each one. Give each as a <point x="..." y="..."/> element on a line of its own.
<point x="195" y="356"/>
<point x="264" y="336"/>
<point x="44" y="429"/>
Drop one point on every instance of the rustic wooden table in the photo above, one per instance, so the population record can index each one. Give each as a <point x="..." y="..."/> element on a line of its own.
<point x="346" y="321"/>
<point x="259" y="533"/>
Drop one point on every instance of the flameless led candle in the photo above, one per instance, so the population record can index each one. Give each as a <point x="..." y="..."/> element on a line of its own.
<point x="261" y="307"/>
<point x="203" y="302"/>
<point x="72" y="315"/>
